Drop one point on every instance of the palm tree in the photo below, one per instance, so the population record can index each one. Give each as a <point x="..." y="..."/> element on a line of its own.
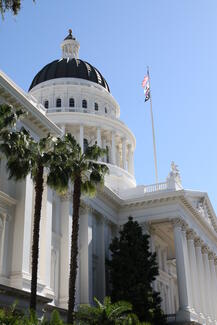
<point x="107" y="313"/>
<point x="85" y="173"/>
<point x="26" y="156"/>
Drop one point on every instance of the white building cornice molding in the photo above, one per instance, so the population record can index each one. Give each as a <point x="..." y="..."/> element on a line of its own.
<point x="15" y="96"/>
<point x="7" y="200"/>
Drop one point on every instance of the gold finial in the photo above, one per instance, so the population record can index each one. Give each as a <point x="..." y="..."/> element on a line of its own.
<point x="70" y="31"/>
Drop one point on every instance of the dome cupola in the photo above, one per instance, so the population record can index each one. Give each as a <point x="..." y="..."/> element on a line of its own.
<point x="70" y="47"/>
<point x="69" y="66"/>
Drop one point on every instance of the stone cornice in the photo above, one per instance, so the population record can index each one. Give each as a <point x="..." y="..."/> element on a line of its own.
<point x="6" y="199"/>
<point x="17" y="97"/>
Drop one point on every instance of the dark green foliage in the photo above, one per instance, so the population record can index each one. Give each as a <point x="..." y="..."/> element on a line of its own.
<point x="10" y="5"/>
<point x="118" y="313"/>
<point x="12" y="317"/>
<point x="133" y="268"/>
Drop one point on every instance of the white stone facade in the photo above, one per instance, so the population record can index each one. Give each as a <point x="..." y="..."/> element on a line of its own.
<point x="182" y="224"/>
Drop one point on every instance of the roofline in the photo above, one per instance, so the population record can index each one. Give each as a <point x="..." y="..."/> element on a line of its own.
<point x="28" y="104"/>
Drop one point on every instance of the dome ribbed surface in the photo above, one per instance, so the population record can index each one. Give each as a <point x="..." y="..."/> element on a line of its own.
<point x="73" y="68"/>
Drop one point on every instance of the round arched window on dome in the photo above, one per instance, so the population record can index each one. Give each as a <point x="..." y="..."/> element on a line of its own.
<point x="84" y="103"/>
<point x="96" y="107"/>
<point x="71" y="102"/>
<point x="58" y="102"/>
<point x="46" y="103"/>
<point x="106" y="111"/>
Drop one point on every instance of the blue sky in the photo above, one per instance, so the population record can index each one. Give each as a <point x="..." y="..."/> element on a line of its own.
<point x="176" y="38"/>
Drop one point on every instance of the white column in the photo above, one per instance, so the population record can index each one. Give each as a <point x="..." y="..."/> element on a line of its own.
<point x="182" y="271"/>
<point x="65" y="244"/>
<point x="85" y="238"/>
<point x="130" y="154"/>
<point x="20" y="275"/>
<point x="99" y="143"/>
<point x="215" y="281"/>
<point x="193" y="270"/>
<point x="113" y="151"/>
<point x="117" y="155"/>
<point x="4" y="245"/>
<point x="207" y="292"/>
<point x="81" y="140"/>
<point x="201" y="286"/>
<point x="101" y="264"/>
<point x="213" y="285"/>
<point x="124" y="153"/>
<point x="46" y="239"/>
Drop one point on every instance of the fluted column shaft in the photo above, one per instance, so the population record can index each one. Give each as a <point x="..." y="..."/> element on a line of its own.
<point x="201" y="275"/>
<point x="193" y="270"/>
<point x="182" y="270"/>
<point x="124" y="153"/>
<point x="113" y="149"/>
<point x="213" y="285"/>
<point x="130" y="158"/>
<point x="99" y="142"/>
<point x="65" y="244"/>
<point x="207" y="292"/>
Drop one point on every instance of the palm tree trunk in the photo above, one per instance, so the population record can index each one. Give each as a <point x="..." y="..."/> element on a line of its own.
<point x="74" y="249"/>
<point x="35" y="241"/>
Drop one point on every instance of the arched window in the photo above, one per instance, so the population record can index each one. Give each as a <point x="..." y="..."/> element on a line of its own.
<point x="84" y="103"/>
<point x="71" y="102"/>
<point x="58" y="102"/>
<point x="96" y="106"/>
<point x="46" y="103"/>
<point x="85" y="145"/>
<point x="106" y="111"/>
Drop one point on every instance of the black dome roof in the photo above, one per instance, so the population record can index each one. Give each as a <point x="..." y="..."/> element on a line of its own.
<point x="73" y="68"/>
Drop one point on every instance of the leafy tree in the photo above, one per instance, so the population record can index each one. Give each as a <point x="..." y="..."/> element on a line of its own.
<point x="10" y="5"/>
<point x="26" y="156"/>
<point x="133" y="268"/>
<point x="85" y="173"/>
<point x="107" y="314"/>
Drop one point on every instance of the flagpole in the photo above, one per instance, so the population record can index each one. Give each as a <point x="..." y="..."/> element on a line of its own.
<point x="153" y="133"/>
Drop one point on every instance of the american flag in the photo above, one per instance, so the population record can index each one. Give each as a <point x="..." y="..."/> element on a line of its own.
<point x="146" y="86"/>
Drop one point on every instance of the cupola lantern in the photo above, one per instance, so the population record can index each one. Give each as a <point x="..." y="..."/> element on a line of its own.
<point x="70" y="47"/>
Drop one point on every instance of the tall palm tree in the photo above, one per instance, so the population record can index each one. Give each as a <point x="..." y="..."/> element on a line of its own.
<point x="26" y="156"/>
<point x="86" y="173"/>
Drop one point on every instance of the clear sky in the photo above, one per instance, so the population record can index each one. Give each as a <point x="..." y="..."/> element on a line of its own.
<point x="176" y="38"/>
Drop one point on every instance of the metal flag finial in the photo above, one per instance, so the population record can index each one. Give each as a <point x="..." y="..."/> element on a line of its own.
<point x="70" y="31"/>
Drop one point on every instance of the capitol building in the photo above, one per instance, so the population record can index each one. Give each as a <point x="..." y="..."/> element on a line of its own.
<point x="70" y="95"/>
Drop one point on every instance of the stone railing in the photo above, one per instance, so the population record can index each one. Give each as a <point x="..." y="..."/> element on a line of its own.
<point x="156" y="187"/>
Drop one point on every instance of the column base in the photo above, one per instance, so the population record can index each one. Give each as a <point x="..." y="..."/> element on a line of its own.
<point x="63" y="302"/>
<point x="187" y="315"/>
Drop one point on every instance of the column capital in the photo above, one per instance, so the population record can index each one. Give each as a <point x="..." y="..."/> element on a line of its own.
<point x="179" y="223"/>
<point x="205" y="249"/>
<point x="211" y="256"/>
<point x="198" y="242"/>
<point x="84" y="208"/>
<point x="66" y="197"/>
<point x="191" y="234"/>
